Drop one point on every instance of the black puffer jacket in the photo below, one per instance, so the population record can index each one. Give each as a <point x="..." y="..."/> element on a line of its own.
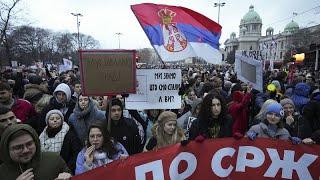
<point x="126" y="132"/>
<point x="311" y="113"/>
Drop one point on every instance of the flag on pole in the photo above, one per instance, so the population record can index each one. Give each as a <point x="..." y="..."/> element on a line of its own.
<point x="177" y="33"/>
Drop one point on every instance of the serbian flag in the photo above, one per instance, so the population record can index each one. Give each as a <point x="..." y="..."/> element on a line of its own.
<point x="177" y="33"/>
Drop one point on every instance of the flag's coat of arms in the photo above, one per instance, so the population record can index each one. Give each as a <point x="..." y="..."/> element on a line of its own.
<point x="174" y="40"/>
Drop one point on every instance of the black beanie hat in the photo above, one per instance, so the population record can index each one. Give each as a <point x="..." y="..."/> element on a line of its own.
<point x="116" y="101"/>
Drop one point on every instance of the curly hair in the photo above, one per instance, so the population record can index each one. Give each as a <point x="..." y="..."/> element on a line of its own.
<point x="205" y="113"/>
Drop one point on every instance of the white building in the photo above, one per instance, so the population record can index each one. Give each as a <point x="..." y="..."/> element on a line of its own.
<point x="272" y="46"/>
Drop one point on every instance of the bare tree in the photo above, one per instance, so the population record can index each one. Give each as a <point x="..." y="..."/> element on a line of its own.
<point x="7" y="15"/>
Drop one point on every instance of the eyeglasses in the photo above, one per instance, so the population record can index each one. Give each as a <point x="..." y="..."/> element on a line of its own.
<point x="19" y="148"/>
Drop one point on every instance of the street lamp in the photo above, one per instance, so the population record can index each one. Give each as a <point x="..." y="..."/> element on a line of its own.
<point x="119" y="34"/>
<point x="219" y="5"/>
<point x="78" y="24"/>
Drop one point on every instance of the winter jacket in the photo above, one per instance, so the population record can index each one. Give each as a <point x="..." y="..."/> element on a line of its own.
<point x="239" y="111"/>
<point x="23" y="109"/>
<point x="299" y="128"/>
<point x="300" y="96"/>
<point x="70" y="148"/>
<point x="100" y="159"/>
<point x="53" y="144"/>
<point x="311" y="114"/>
<point x="46" y="165"/>
<point x="126" y="132"/>
<point x="260" y="99"/>
<point x="224" y="128"/>
<point x="263" y="130"/>
<point x="34" y="92"/>
<point x="81" y="119"/>
<point x="66" y="108"/>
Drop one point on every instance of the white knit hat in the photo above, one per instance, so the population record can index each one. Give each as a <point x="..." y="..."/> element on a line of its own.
<point x="54" y="111"/>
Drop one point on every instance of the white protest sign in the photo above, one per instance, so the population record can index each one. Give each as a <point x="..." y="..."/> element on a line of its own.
<point x="156" y="89"/>
<point x="67" y="63"/>
<point x="249" y="70"/>
<point x="14" y="63"/>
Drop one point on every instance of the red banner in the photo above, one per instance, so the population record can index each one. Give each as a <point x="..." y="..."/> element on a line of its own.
<point x="216" y="159"/>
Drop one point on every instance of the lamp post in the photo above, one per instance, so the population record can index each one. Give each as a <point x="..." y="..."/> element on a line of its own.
<point x="119" y="34"/>
<point x="219" y="4"/>
<point x="78" y="25"/>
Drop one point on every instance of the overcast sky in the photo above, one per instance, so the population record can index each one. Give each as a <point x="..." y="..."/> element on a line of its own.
<point x="103" y="18"/>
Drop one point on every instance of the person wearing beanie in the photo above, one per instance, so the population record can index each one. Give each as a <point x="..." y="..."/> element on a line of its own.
<point x="58" y="137"/>
<point x="124" y="130"/>
<point x="62" y="101"/>
<point x="271" y="126"/>
<point x="165" y="132"/>
<point x="293" y="121"/>
<point x="271" y="93"/>
<point x="51" y="139"/>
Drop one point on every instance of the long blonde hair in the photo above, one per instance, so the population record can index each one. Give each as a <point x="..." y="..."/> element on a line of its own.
<point x="158" y="130"/>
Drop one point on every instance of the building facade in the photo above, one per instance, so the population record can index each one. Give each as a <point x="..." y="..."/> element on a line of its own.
<point x="275" y="47"/>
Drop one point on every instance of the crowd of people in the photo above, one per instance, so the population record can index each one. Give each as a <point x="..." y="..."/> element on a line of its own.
<point x="44" y="117"/>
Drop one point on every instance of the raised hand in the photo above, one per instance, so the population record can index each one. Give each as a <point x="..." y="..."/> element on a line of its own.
<point x="252" y="135"/>
<point x="27" y="175"/>
<point x="88" y="155"/>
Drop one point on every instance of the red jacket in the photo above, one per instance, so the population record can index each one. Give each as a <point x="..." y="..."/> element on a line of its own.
<point x="23" y="109"/>
<point x="239" y="111"/>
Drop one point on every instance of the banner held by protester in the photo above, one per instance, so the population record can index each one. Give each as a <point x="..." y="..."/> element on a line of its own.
<point x="216" y="159"/>
<point x="157" y="89"/>
<point x="106" y="72"/>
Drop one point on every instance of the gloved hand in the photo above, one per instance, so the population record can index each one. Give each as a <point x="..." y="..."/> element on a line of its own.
<point x="295" y="140"/>
<point x="237" y="135"/>
<point x="184" y="142"/>
<point x="199" y="139"/>
<point x="252" y="135"/>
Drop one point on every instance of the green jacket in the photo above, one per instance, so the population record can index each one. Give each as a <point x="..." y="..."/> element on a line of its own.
<point x="46" y="166"/>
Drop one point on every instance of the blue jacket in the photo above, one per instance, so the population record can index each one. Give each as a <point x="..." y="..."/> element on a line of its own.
<point x="81" y="120"/>
<point x="82" y="167"/>
<point x="300" y="96"/>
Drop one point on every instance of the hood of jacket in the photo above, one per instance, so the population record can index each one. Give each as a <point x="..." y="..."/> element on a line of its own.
<point x="302" y="89"/>
<point x="4" y="150"/>
<point x="64" y="88"/>
<point x="81" y="113"/>
<point x="237" y="96"/>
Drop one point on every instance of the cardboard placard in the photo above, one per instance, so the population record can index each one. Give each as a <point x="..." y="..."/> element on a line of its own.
<point x="249" y="70"/>
<point x="106" y="72"/>
<point x="157" y="89"/>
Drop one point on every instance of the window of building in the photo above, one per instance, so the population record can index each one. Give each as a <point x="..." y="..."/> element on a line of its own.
<point x="280" y="55"/>
<point x="281" y="44"/>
